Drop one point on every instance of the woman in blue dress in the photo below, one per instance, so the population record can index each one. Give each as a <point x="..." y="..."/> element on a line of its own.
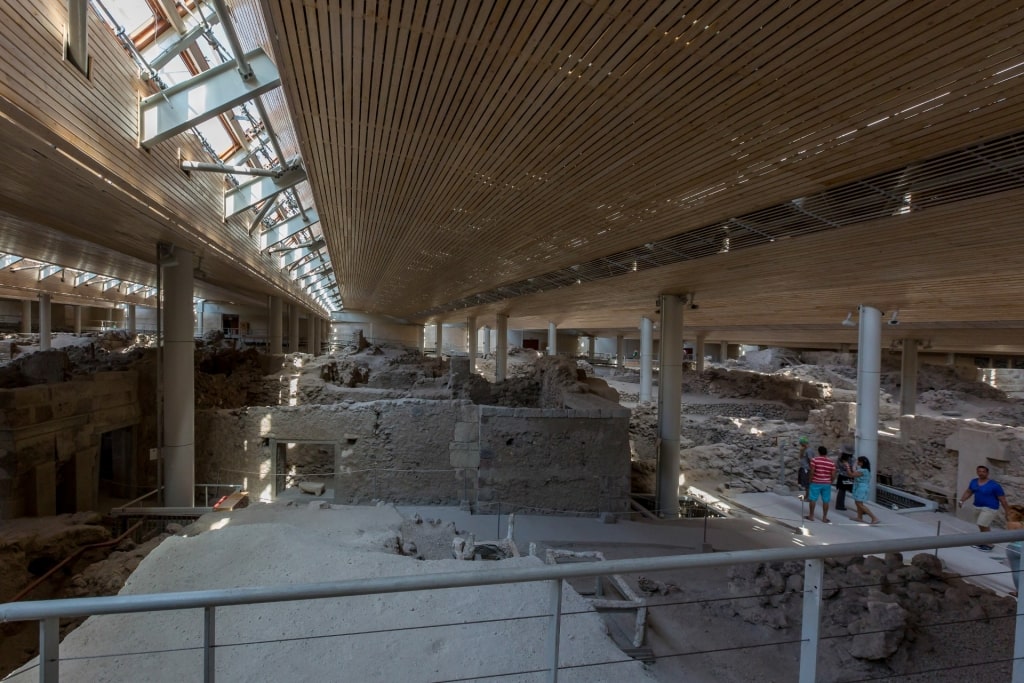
<point x="861" y="483"/>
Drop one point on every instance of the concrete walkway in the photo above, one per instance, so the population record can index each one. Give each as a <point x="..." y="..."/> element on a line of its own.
<point x="987" y="569"/>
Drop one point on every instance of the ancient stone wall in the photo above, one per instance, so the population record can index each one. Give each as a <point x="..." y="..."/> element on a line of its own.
<point x="50" y="441"/>
<point x="431" y="452"/>
<point x="935" y="457"/>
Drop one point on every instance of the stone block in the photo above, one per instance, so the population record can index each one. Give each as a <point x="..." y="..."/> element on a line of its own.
<point x="467" y="431"/>
<point x="469" y="413"/>
<point x="464" y="455"/>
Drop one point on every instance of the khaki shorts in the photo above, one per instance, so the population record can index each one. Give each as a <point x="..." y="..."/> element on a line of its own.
<point x="984" y="516"/>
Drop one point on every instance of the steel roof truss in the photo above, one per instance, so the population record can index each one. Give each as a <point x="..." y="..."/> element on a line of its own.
<point x="202" y="97"/>
<point x="287" y="228"/>
<point x="251" y="193"/>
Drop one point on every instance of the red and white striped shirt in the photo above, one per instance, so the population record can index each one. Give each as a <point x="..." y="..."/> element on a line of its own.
<point x="822" y="470"/>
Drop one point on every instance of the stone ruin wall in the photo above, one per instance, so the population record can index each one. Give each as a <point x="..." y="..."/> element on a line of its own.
<point x="935" y="457"/>
<point x="417" y="451"/>
<point x="50" y="441"/>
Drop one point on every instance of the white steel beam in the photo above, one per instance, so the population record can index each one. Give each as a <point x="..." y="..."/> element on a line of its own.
<point x="287" y="228"/>
<point x="252" y="192"/>
<point x="49" y="271"/>
<point x="187" y="104"/>
<point x="308" y="267"/>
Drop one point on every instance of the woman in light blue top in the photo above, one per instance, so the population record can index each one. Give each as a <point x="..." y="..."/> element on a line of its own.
<point x="861" y="484"/>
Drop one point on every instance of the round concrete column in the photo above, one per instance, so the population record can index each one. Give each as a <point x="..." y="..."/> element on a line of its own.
<point x="471" y="343"/>
<point x="438" y="338"/>
<point x="552" y="339"/>
<point x="26" y="316"/>
<point x="274" y="320"/>
<point x="130" y="326"/>
<point x="501" y="352"/>
<point x="869" y="371"/>
<point x="620" y="351"/>
<point x="293" y="328"/>
<point x="44" y="322"/>
<point x="178" y="374"/>
<point x="646" y="358"/>
<point x="670" y="393"/>
<point x="78" y="320"/>
<point x="487" y="340"/>
<point x="310" y="323"/>
<point x="316" y="335"/>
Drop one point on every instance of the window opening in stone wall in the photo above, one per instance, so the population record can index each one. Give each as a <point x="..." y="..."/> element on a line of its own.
<point x="304" y="468"/>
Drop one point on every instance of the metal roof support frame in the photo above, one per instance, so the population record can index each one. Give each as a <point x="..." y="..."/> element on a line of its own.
<point x="202" y="97"/>
<point x="251" y="193"/>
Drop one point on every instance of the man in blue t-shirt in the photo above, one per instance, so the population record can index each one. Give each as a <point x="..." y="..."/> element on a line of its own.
<point x="988" y="497"/>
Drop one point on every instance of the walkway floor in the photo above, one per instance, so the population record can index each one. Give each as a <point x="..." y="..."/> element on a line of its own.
<point x="987" y="569"/>
<point x="762" y="520"/>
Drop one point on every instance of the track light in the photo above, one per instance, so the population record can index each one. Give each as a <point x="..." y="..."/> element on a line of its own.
<point x="894" y="318"/>
<point x="849" y="322"/>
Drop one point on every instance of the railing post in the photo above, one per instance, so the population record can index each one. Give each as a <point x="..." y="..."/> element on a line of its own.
<point x="814" y="571"/>
<point x="1017" y="675"/>
<point x="209" y="642"/>
<point x="555" y="629"/>
<point x="49" y="650"/>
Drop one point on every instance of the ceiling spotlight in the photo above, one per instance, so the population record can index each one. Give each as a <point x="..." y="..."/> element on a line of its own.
<point x="894" y="318"/>
<point x="849" y="322"/>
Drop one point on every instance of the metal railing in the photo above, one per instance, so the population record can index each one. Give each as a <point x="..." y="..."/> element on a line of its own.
<point x="903" y="501"/>
<point x="48" y="613"/>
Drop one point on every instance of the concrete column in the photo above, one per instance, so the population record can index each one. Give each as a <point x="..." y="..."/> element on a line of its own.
<point x="178" y="377"/>
<point x="438" y="337"/>
<point x="293" y="328"/>
<point x="471" y="343"/>
<point x="44" y="322"/>
<point x="869" y="366"/>
<point x="487" y="340"/>
<point x="26" y="316"/>
<point x="698" y="354"/>
<point x="501" y="350"/>
<point x="131" y="319"/>
<point x="646" y="364"/>
<point x="951" y="359"/>
<point x="552" y="339"/>
<point x="78" y="320"/>
<point x="315" y="329"/>
<point x="590" y="347"/>
<point x="310" y="322"/>
<point x="670" y="393"/>
<point x="328" y="328"/>
<point x="274" y="344"/>
<point x="620" y="351"/>
<point x="908" y="378"/>
<point x="723" y="352"/>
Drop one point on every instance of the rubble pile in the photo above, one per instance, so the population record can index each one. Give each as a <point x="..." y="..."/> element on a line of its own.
<point x="879" y="616"/>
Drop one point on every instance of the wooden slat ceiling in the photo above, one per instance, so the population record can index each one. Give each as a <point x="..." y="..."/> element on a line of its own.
<point x="455" y="148"/>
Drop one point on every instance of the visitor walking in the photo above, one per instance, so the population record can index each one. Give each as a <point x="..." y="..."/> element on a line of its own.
<point x="803" y="474"/>
<point x="823" y="472"/>
<point x="844" y="478"/>
<point x="861" y="474"/>
<point x="988" y="496"/>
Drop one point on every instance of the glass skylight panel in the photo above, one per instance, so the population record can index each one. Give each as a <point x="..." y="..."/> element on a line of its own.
<point x="131" y="14"/>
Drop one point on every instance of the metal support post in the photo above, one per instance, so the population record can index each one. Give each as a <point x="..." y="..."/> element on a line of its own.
<point x="814" y="572"/>
<point x="209" y="643"/>
<point x="555" y="629"/>
<point x="49" y="650"/>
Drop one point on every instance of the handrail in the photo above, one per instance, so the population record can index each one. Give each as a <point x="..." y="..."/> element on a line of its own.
<point x="70" y="558"/>
<point x="48" y="612"/>
<point x="122" y="604"/>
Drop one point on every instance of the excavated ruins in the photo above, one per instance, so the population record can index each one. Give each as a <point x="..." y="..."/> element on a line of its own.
<point x="377" y="424"/>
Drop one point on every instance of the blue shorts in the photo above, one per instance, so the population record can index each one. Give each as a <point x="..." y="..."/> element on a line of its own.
<point x="823" y="491"/>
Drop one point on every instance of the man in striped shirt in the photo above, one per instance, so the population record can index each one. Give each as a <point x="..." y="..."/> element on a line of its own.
<point x="823" y="472"/>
